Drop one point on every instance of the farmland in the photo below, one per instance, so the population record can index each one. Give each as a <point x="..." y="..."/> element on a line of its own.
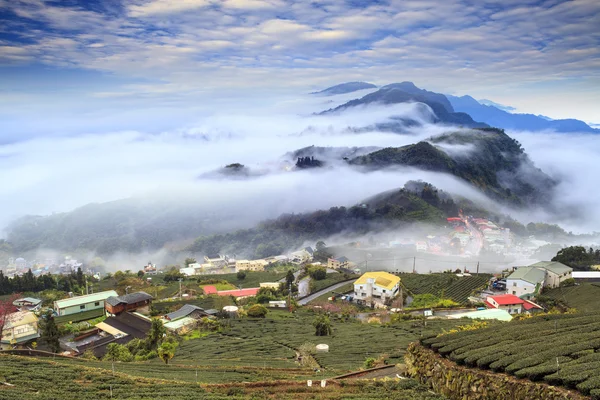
<point x="252" y="279"/>
<point x="442" y="285"/>
<point x="583" y="297"/>
<point x="46" y="379"/>
<point x="559" y="349"/>
<point x="206" y="302"/>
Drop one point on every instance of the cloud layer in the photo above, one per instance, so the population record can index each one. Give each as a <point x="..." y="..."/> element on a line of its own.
<point x="540" y="56"/>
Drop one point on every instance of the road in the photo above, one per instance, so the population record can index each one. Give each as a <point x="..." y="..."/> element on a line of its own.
<point x="304" y="286"/>
<point x="313" y="296"/>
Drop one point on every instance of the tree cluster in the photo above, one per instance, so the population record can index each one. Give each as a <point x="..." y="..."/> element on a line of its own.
<point x="578" y="258"/>
<point x="28" y="282"/>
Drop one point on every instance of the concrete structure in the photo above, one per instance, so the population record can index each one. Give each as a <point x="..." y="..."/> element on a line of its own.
<point x="340" y="262"/>
<point x="117" y="304"/>
<point x="378" y="286"/>
<point x="492" y="313"/>
<point x="270" y="285"/>
<point x="20" y="327"/>
<point x="216" y="260"/>
<point x="74" y="305"/>
<point x="250" y="265"/>
<point x="555" y="272"/>
<point x="301" y="256"/>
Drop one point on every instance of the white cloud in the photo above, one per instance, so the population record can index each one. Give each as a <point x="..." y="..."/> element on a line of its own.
<point x="161" y="7"/>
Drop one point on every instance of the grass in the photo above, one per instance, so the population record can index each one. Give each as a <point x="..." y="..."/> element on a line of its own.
<point x="206" y="302"/>
<point x="331" y="279"/>
<point x="221" y="286"/>
<point x="584" y="297"/>
<point x="347" y="288"/>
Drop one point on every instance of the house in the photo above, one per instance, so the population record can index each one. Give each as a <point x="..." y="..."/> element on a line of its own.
<point x="250" y="265"/>
<point x="379" y="286"/>
<point x="511" y="303"/>
<point x="301" y="256"/>
<point x="117" y="304"/>
<point x="555" y="272"/>
<point x="28" y="304"/>
<point x="150" y="269"/>
<point x="190" y="311"/>
<point x="88" y="302"/>
<point x="340" y="262"/>
<point x="526" y="282"/>
<point x="20" y="327"/>
<point x="216" y="260"/>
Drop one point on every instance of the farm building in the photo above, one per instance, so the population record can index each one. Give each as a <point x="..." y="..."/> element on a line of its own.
<point x="28" y="304"/>
<point x="526" y="282"/>
<point x="20" y="327"/>
<point x="379" y="286"/>
<point x="250" y="265"/>
<point x="586" y="276"/>
<point x="117" y="304"/>
<point x="79" y="304"/>
<point x="511" y="303"/>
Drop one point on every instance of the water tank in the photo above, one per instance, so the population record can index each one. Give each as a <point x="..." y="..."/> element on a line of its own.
<point x="322" y="348"/>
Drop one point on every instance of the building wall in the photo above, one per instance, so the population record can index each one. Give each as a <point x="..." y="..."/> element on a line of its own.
<point x="20" y="333"/>
<point x="119" y="308"/>
<point x="366" y="290"/>
<point x="512" y="308"/>
<point x="250" y="265"/>
<point x="77" y="309"/>
<point x="553" y="280"/>
<point x="519" y="287"/>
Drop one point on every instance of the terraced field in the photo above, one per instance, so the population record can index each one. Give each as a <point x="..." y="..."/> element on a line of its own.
<point x="562" y="349"/>
<point x="584" y="297"/>
<point x="447" y="286"/>
<point x="44" y="379"/>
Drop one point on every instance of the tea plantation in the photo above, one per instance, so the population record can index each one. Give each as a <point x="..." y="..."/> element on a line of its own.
<point x="44" y="379"/>
<point x="441" y="285"/>
<point x="560" y="349"/>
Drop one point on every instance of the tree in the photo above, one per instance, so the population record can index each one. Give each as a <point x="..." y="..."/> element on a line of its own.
<point x="156" y="334"/>
<point x="50" y="331"/>
<point x="140" y="273"/>
<point x="167" y="349"/>
<point x="80" y="278"/>
<point x="317" y="273"/>
<point x="322" y="325"/>
<point x="289" y="278"/>
<point x="241" y="275"/>
<point x="257" y="311"/>
<point x="118" y="352"/>
<point x="189" y="261"/>
<point x="6" y="308"/>
<point x="173" y="275"/>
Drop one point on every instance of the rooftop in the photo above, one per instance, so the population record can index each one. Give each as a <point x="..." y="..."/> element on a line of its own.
<point x="130" y="298"/>
<point x="382" y="279"/>
<point x="493" y="313"/>
<point x="88" y="298"/>
<point x="530" y="274"/>
<point x="184" y="311"/>
<point x="553" y="266"/>
<point x="507" y="299"/>
<point x="19" y="318"/>
<point x="30" y="300"/>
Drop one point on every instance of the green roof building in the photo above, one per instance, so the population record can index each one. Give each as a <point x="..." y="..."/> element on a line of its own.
<point x="79" y="304"/>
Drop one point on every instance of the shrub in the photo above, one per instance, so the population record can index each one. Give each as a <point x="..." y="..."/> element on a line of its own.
<point x="241" y="275"/>
<point x="118" y="352"/>
<point x="322" y="325"/>
<point x="257" y="311"/>
<point x="317" y="273"/>
<point x="369" y="363"/>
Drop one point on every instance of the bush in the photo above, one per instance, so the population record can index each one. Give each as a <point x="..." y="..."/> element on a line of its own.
<point x="241" y="275"/>
<point x="369" y="363"/>
<point x="257" y="311"/>
<point x="317" y="273"/>
<point x="118" y="352"/>
<point x="322" y="326"/>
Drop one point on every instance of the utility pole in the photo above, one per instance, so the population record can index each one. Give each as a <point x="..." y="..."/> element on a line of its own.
<point x="477" y="268"/>
<point x="290" y="298"/>
<point x="414" y="265"/>
<point x="87" y="291"/>
<point x="179" y="288"/>
<point x="401" y="300"/>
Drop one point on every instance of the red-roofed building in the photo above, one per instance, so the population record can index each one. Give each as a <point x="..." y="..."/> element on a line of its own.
<point x="511" y="303"/>
<point x="210" y="289"/>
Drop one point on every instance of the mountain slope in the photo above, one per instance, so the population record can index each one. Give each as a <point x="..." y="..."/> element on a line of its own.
<point x="487" y="158"/>
<point x="505" y="120"/>
<point x="397" y="93"/>
<point x="343" y="88"/>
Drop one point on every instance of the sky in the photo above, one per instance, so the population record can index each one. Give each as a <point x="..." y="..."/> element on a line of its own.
<point x="90" y="66"/>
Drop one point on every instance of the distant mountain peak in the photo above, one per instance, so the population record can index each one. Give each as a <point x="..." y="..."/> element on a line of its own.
<point x="499" y="106"/>
<point x="347" y="87"/>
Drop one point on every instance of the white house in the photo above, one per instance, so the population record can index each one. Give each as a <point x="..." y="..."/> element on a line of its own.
<point x="526" y="282"/>
<point x="379" y="286"/>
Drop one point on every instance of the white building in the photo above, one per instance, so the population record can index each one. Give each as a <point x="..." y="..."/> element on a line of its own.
<point x="378" y="286"/>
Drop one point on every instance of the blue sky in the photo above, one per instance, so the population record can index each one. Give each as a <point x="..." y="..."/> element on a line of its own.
<point x="77" y="56"/>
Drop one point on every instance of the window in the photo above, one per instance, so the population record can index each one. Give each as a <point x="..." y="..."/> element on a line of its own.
<point x="82" y="307"/>
<point x="97" y="303"/>
<point x="514" y="283"/>
<point x="514" y="292"/>
<point x="383" y="290"/>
